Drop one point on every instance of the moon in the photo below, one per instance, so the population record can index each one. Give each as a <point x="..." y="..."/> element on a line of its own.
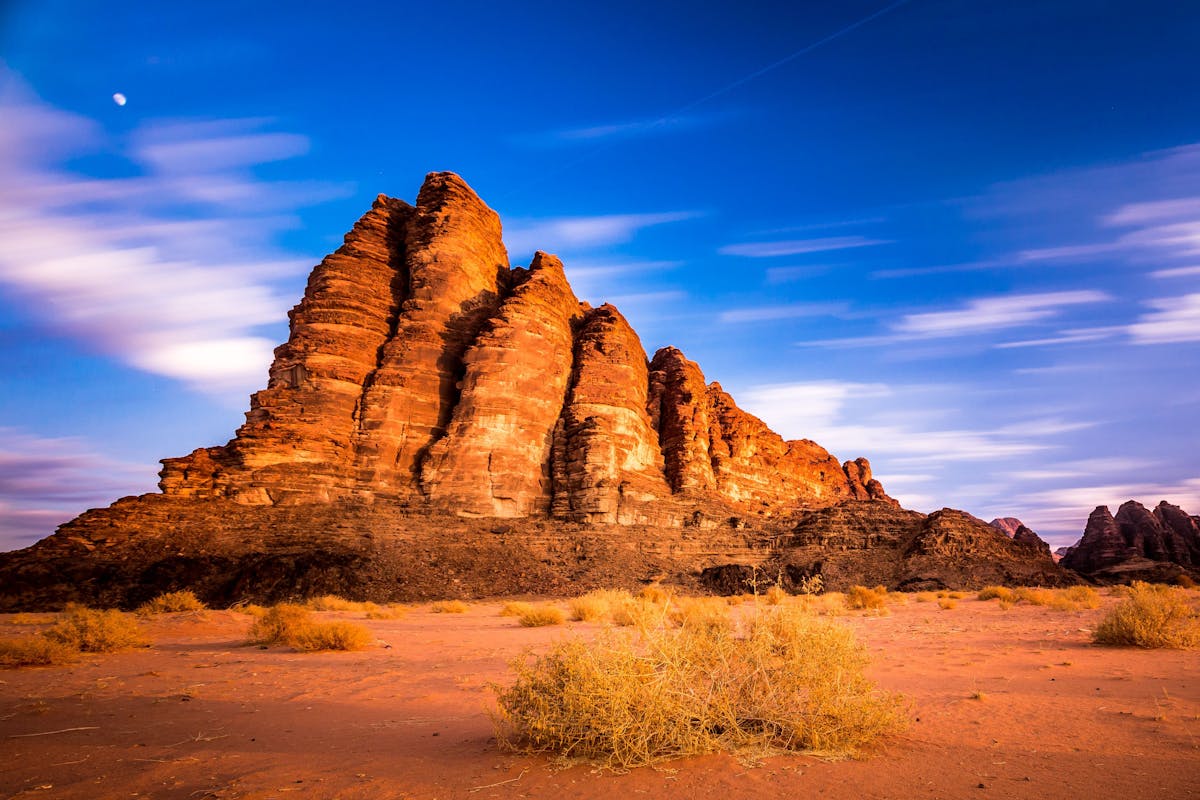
<point x="119" y="99"/>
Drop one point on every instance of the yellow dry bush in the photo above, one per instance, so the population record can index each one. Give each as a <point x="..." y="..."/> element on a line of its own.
<point x="1075" y="598"/>
<point x="1151" y="616"/>
<point x="450" y="607"/>
<point x="947" y="603"/>
<point x="700" y="611"/>
<point x="638" y="613"/>
<point x="35" y="651"/>
<point x="1002" y="593"/>
<point x="829" y="604"/>
<point x="596" y="605"/>
<point x="1034" y="596"/>
<point x="790" y="682"/>
<point x="657" y="593"/>
<point x="337" y="635"/>
<point x="925" y="597"/>
<point x="735" y="599"/>
<point x="776" y="595"/>
<point x="1005" y="605"/>
<point x="294" y="626"/>
<point x="956" y="595"/>
<point x="94" y="631"/>
<point x="331" y="602"/>
<point x="870" y="599"/>
<point x="541" y="615"/>
<point x="170" y="603"/>
<point x="391" y="611"/>
<point x="515" y="608"/>
<point x="251" y="609"/>
<point x="29" y="619"/>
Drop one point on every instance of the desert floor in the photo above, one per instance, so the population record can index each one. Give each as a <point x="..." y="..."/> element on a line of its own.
<point x="1005" y="704"/>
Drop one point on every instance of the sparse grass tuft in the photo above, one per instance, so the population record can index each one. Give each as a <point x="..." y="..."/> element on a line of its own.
<point x="1035" y="596"/>
<point x="1002" y="593"/>
<point x="704" y="612"/>
<point x="294" y="626"/>
<point x="35" y="651"/>
<point x="947" y="603"/>
<point x="391" y="611"/>
<point x="925" y="597"/>
<point x="776" y="595"/>
<point x="792" y="682"/>
<point x="597" y="605"/>
<point x="1076" y="598"/>
<point x="94" y="631"/>
<point x="657" y="593"/>
<point x="870" y="599"/>
<point x="331" y="602"/>
<point x="638" y="613"/>
<point x="515" y="608"/>
<point x="1151" y="616"/>
<point x="450" y="607"/>
<point x="170" y="603"/>
<point x="24" y="618"/>
<point x="541" y="615"/>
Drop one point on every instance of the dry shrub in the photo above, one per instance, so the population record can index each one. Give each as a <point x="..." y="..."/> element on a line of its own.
<point x="24" y="618"/>
<point x="925" y="597"/>
<point x="91" y="630"/>
<point x="700" y="612"/>
<point x="829" y="604"/>
<point x="735" y="599"/>
<point x="35" y="651"/>
<point x="1035" y="597"/>
<point x="657" y="593"/>
<point x="392" y="611"/>
<point x="791" y="682"/>
<point x="450" y="607"/>
<point x="331" y="602"/>
<point x="538" y="616"/>
<point x="870" y="599"/>
<point x="776" y="595"/>
<point x="956" y="595"/>
<point x="1075" y="598"/>
<point x="515" y="608"/>
<point x="251" y="609"/>
<point x="294" y="626"/>
<point x="1005" y="605"/>
<point x="947" y="603"/>
<point x="1151" y="616"/>
<point x="1002" y="593"/>
<point x="338" y="635"/>
<point x="810" y="584"/>
<point x="171" y="602"/>
<point x="638" y="613"/>
<point x="598" y="604"/>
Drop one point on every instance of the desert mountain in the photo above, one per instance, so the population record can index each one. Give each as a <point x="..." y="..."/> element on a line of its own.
<point x="442" y="423"/>
<point x="1137" y="543"/>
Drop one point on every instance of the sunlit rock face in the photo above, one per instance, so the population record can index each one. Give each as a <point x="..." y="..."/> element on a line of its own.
<point x="423" y="371"/>
<point x="1137" y="543"/>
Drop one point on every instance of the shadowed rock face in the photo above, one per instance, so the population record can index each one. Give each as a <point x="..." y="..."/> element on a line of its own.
<point x="1136" y="543"/>
<point x="426" y="383"/>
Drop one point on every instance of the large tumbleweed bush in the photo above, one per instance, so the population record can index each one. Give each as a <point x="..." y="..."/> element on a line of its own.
<point x="1152" y="615"/>
<point x="171" y="603"/>
<point x="91" y="630"/>
<point x="783" y="681"/>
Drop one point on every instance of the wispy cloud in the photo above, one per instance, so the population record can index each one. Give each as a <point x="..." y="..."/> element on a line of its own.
<point x="45" y="482"/>
<point x="994" y="313"/>
<point x="791" y="247"/>
<point x="558" y="234"/>
<point x="789" y="311"/>
<point x="608" y="132"/>
<point x="1175" y="319"/>
<point x="1176" y="272"/>
<point x="112" y="262"/>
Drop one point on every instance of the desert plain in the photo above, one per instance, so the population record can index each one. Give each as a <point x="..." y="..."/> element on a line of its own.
<point x="1003" y="703"/>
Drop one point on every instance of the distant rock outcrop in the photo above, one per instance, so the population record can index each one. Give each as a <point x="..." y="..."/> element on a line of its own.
<point x="1016" y="530"/>
<point x="425" y="383"/>
<point x="1136" y="543"/>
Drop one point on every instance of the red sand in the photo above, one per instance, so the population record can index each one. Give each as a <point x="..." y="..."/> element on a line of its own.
<point x="200" y="715"/>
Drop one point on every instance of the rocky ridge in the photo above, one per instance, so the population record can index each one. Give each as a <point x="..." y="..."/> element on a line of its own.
<point x="1137" y="544"/>
<point x="426" y="383"/>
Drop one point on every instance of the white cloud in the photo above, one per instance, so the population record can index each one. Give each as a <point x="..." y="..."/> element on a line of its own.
<point x="791" y="247"/>
<point x="608" y="132"/>
<point x="1176" y="319"/>
<point x="1176" y="272"/>
<point x="110" y="262"/>
<point x="994" y="313"/>
<point x="559" y="234"/>
<point x="790" y="311"/>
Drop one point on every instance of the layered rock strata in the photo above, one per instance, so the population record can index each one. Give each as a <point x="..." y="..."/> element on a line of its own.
<point x="430" y="392"/>
<point x="1137" y="542"/>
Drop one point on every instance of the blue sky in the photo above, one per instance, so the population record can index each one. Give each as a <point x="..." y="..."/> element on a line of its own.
<point x="961" y="239"/>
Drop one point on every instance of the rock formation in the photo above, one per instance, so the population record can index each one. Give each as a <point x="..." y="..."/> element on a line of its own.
<point x="1136" y="543"/>
<point x="426" y="383"/>
<point x="1016" y="530"/>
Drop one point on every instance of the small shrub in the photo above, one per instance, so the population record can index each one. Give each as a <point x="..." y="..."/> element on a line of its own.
<point x="791" y="683"/>
<point x="337" y="635"/>
<point x="810" y="584"/>
<point x="636" y="612"/>
<point x="1002" y="593"/>
<point x="35" y="651"/>
<point x="1075" y="598"/>
<point x="450" y="607"/>
<point x="947" y="603"/>
<point x="539" y="616"/>
<point x="515" y="608"/>
<point x="776" y="595"/>
<point x="281" y="624"/>
<point x="94" y="631"/>
<point x="1005" y="605"/>
<point x="171" y="602"/>
<point x="29" y="619"/>
<point x="704" y="612"/>
<point x="591" y="607"/>
<point x="870" y="599"/>
<point x="251" y="609"/>
<point x="925" y="597"/>
<point x="956" y="595"/>
<point x="392" y="611"/>
<point x="331" y="602"/>
<point x="657" y="593"/>
<point x="1152" y="616"/>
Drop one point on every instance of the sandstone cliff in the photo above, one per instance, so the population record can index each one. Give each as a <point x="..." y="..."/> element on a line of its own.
<point x="1137" y="543"/>
<point x="426" y="383"/>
